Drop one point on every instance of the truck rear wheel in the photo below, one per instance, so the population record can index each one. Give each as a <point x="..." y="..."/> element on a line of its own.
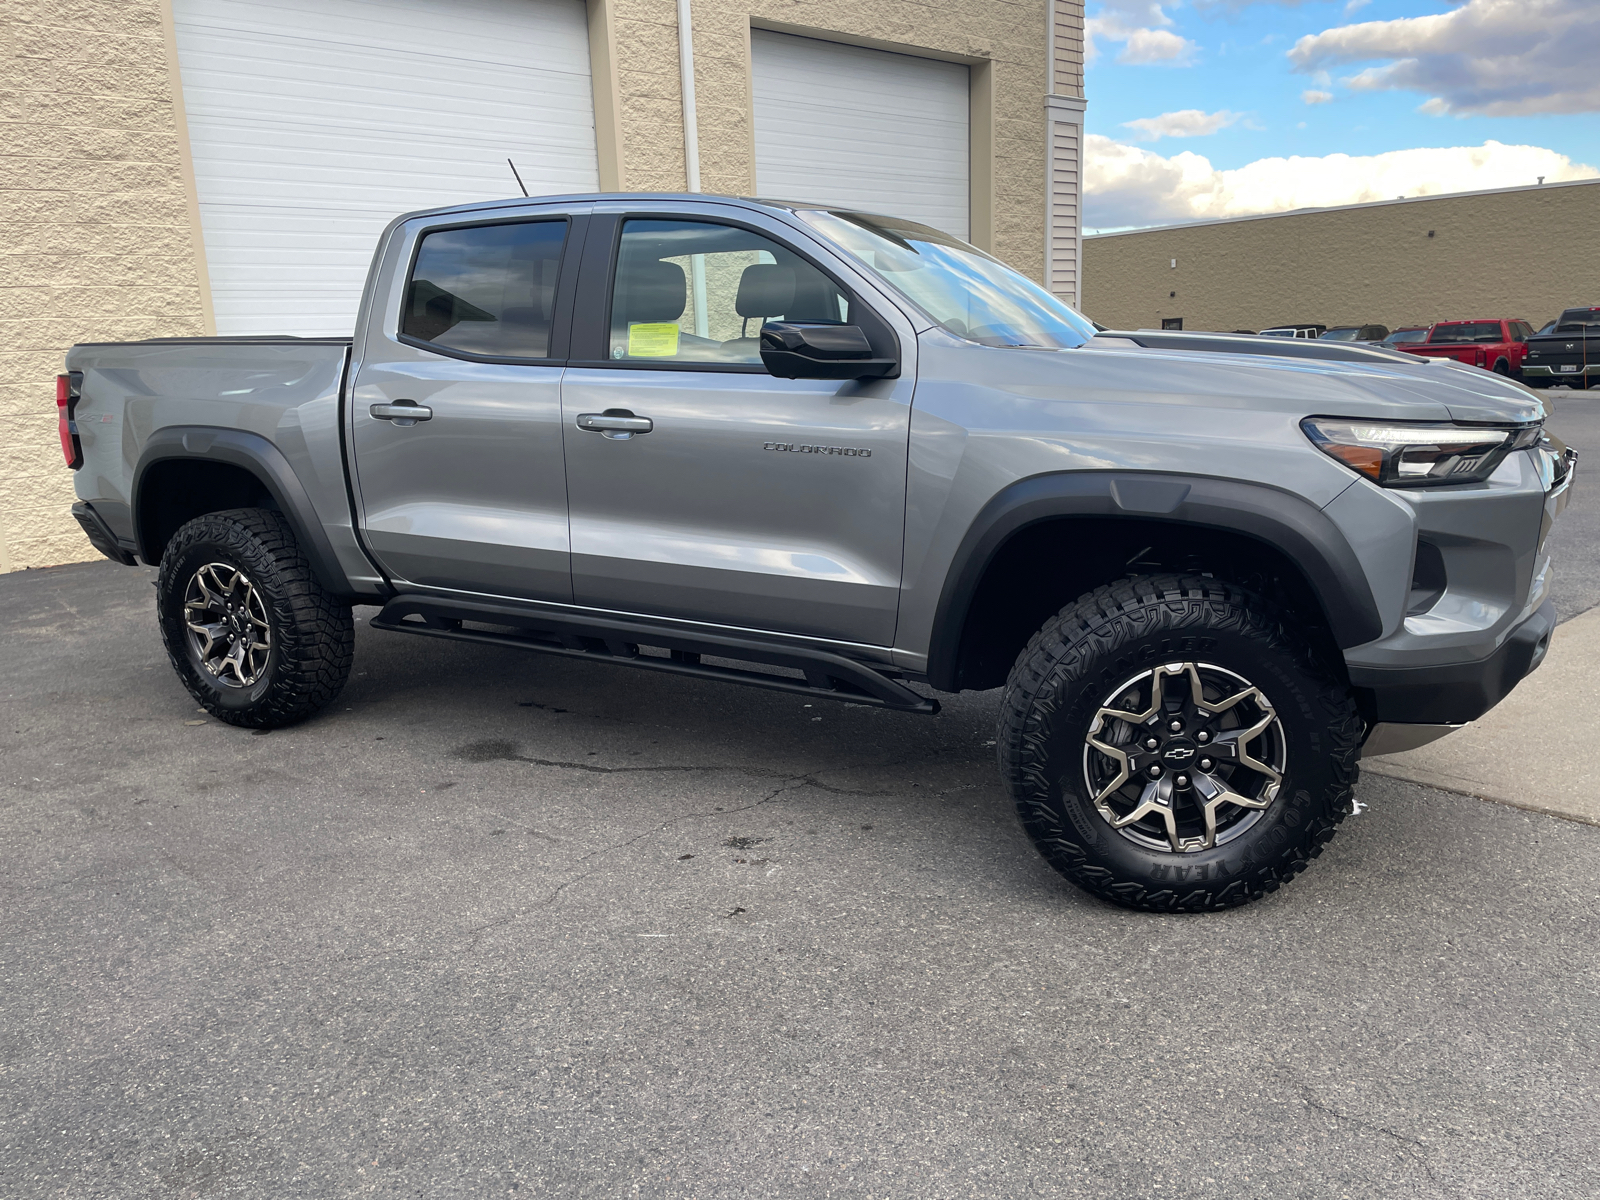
<point x="1172" y="746"/>
<point x="254" y="637"/>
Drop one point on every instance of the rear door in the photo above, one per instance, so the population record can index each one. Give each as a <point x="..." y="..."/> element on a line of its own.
<point x="455" y="419"/>
<point x="727" y="496"/>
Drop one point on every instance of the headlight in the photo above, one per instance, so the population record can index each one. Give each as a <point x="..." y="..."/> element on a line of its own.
<point x="1418" y="455"/>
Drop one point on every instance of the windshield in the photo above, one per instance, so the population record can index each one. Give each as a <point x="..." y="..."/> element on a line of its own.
<point x="967" y="292"/>
<point x="1341" y="335"/>
<point x="1406" y="335"/>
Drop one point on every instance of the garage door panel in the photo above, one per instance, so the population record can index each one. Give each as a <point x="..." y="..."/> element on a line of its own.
<point x="862" y="128"/>
<point x="313" y="123"/>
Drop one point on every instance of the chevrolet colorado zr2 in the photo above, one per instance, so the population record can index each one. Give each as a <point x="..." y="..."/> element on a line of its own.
<point x="849" y="456"/>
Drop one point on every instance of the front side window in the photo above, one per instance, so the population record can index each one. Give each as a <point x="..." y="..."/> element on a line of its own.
<point x="695" y="292"/>
<point x="970" y="294"/>
<point x="486" y="289"/>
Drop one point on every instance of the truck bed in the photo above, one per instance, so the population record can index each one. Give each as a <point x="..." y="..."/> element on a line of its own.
<point x="137" y="398"/>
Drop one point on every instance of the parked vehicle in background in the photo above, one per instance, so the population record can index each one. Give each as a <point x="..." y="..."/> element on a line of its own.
<point x="1294" y="331"/>
<point x="1355" y="333"/>
<point x="1401" y="337"/>
<point x="1569" y="353"/>
<point x="1497" y="346"/>
<point x="685" y="433"/>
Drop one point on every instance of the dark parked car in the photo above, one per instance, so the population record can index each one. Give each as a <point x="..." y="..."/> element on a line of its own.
<point x="1569" y="353"/>
<point x="1356" y="333"/>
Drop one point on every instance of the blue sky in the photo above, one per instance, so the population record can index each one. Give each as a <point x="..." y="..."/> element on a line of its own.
<point x="1234" y="76"/>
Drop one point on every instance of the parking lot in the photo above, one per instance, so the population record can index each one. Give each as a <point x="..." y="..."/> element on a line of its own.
<point x="500" y="924"/>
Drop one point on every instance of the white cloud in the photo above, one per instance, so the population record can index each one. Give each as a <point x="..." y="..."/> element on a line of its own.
<point x="1146" y="46"/>
<point x="1497" y="58"/>
<point x="1127" y="185"/>
<point x="1142" y="27"/>
<point x="1188" y="122"/>
<point x="1313" y="96"/>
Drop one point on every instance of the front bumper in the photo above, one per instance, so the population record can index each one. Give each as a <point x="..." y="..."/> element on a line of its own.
<point x="1455" y="693"/>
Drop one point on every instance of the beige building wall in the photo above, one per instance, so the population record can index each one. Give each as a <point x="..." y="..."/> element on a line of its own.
<point x="97" y="235"/>
<point x="101" y="226"/>
<point x="1522" y="253"/>
<point x="1003" y="41"/>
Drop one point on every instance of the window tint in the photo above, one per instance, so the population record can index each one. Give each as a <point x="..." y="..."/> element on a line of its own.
<point x="486" y="289"/>
<point x="691" y="291"/>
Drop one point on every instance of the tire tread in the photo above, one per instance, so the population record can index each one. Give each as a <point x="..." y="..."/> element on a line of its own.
<point x="1062" y="650"/>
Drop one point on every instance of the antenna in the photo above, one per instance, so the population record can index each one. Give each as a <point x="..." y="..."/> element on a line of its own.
<point x="515" y="172"/>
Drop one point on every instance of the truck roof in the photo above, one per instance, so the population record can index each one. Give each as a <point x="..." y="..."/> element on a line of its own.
<point x="600" y="197"/>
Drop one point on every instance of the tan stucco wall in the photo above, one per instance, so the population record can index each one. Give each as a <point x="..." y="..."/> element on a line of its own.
<point x="1004" y="41"/>
<point x="101" y="234"/>
<point x="1526" y="253"/>
<point x="97" y="238"/>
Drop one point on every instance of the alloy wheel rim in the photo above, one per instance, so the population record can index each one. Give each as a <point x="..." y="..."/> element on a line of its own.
<point x="227" y="622"/>
<point x="1184" y="757"/>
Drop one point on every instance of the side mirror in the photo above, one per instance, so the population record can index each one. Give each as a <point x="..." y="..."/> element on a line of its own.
<point x="818" y="350"/>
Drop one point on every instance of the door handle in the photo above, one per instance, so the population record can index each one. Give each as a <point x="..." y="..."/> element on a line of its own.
<point x="616" y="423"/>
<point x="402" y="412"/>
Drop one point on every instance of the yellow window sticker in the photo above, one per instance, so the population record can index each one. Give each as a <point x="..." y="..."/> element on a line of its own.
<point x="652" y="341"/>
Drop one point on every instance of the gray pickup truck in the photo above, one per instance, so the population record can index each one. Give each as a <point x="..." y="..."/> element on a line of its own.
<point x="848" y="456"/>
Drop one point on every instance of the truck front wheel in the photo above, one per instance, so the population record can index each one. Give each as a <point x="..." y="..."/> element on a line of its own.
<point x="1172" y="745"/>
<point x="254" y="637"/>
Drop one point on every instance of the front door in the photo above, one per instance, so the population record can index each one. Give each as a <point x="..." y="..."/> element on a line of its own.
<point x="701" y="487"/>
<point x="456" y="411"/>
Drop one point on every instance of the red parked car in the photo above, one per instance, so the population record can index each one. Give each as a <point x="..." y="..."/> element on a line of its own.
<point x="1497" y="346"/>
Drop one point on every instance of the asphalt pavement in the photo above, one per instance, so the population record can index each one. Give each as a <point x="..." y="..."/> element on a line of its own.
<point x="1574" y="416"/>
<point x="502" y="924"/>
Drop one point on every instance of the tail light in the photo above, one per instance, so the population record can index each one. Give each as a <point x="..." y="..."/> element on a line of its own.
<point x="66" y="403"/>
<point x="1483" y="360"/>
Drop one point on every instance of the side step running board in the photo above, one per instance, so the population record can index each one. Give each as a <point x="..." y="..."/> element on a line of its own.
<point x="831" y="676"/>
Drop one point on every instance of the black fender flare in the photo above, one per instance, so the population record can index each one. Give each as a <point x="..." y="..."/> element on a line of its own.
<point x="258" y="456"/>
<point x="1298" y="529"/>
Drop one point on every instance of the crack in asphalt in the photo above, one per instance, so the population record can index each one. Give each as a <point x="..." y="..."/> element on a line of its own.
<point x="1316" y="1105"/>
<point x="788" y="783"/>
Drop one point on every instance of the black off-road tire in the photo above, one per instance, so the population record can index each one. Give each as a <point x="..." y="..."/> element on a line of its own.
<point x="1061" y="681"/>
<point x="312" y="635"/>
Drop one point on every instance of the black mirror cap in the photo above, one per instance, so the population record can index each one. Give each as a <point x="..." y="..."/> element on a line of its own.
<point x="821" y="350"/>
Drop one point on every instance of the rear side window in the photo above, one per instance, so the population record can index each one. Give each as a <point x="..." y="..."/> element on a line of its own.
<point x="1468" y="331"/>
<point x="486" y="289"/>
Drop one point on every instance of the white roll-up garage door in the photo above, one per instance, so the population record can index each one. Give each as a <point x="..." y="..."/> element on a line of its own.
<point x="313" y="123"/>
<point x="862" y="128"/>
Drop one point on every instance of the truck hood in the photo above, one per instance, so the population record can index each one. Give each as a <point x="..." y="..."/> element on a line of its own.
<point x="1419" y="390"/>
